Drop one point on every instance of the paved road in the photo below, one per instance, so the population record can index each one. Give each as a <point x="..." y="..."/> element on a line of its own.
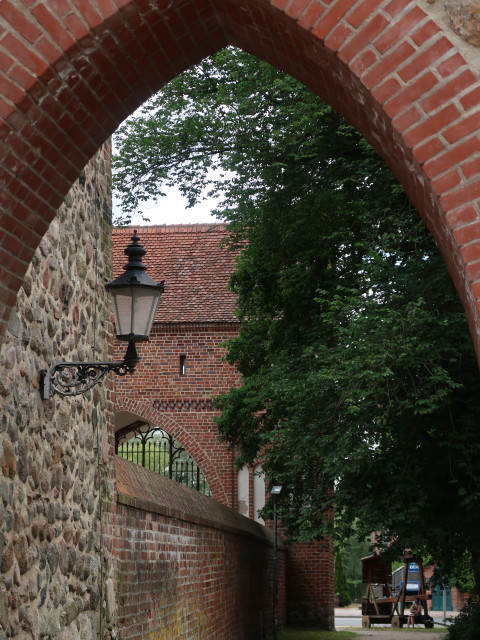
<point x="347" y="621"/>
<point x="356" y="621"/>
<point x="377" y="633"/>
<point x="352" y="618"/>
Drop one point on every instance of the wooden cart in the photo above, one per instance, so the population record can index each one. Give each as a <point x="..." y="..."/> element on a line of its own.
<point x="381" y="605"/>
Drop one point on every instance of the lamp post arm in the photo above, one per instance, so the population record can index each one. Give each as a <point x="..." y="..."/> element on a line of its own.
<point x="135" y="295"/>
<point x="75" y="378"/>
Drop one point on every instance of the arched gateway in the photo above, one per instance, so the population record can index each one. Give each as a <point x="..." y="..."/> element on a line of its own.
<point x="72" y="70"/>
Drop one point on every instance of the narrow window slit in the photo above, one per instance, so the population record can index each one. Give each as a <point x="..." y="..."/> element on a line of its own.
<point x="183" y="365"/>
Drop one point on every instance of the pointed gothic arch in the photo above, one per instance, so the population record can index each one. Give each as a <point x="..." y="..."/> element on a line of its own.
<point x="72" y="72"/>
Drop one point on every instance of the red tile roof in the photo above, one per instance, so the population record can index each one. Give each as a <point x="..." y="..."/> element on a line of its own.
<point x="194" y="266"/>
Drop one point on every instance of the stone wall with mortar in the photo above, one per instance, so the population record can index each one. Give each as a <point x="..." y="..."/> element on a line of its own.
<point x="461" y="21"/>
<point x="52" y="577"/>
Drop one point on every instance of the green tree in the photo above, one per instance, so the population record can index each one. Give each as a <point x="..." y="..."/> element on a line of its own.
<point x="352" y="553"/>
<point x="357" y="366"/>
<point x="340" y="580"/>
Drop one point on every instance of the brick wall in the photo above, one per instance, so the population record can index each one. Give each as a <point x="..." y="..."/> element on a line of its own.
<point x="158" y="375"/>
<point x="310" y="587"/>
<point x="158" y="394"/>
<point x="182" y="405"/>
<point x="196" y="270"/>
<point x="188" y="567"/>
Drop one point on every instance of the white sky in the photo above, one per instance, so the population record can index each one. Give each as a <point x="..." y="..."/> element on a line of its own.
<point x="171" y="210"/>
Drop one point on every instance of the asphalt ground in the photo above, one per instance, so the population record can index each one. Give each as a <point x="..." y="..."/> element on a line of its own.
<point x="377" y="632"/>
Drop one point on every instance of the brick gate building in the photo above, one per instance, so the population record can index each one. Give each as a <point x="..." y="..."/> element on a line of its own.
<point x="183" y="369"/>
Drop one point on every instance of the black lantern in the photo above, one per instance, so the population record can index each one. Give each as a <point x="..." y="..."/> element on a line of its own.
<point x="135" y="296"/>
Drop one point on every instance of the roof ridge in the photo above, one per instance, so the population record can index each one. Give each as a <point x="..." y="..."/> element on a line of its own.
<point x="170" y="228"/>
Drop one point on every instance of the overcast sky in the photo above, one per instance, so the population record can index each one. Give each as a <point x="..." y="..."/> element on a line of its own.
<point x="171" y="210"/>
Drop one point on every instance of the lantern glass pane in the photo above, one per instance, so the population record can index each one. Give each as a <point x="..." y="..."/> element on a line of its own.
<point x="122" y="310"/>
<point x="134" y="308"/>
<point x="145" y="303"/>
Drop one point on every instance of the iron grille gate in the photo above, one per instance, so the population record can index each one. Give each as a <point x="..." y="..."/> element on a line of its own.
<point x="158" y="451"/>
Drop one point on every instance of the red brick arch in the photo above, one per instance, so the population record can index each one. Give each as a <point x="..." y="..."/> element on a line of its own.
<point x="71" y="70"/>
<point x="213" y="475"/>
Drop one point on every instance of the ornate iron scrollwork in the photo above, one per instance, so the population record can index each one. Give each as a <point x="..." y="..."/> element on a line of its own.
<point x="135" y="297"/>
<point x="155" y="449"/>
<point x="74" y="378"/>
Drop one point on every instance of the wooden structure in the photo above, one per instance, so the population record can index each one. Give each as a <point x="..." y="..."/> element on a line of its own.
<point x="381" y="605"/>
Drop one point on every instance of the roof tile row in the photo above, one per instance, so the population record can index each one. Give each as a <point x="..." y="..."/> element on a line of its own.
<point x="194" y="265"/>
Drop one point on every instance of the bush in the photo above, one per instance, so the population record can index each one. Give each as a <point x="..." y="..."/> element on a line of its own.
<point x="466" y="626"/>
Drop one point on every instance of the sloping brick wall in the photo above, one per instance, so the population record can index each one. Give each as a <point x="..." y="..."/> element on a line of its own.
<point x="188" y="567"/>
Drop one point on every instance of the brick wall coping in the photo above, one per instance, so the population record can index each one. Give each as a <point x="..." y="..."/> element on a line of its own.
<point x="143" y="489"/>
<point x="220" y="325"/>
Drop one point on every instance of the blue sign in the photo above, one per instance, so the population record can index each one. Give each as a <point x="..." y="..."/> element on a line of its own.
<point x="413" y="566"/>
<point x="413" y="585"/>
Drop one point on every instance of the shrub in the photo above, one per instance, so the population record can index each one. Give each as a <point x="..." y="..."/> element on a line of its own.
<point x="466" y="626"/>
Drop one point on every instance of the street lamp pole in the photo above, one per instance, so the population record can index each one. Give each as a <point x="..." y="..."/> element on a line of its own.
<point x="275" y="492"/>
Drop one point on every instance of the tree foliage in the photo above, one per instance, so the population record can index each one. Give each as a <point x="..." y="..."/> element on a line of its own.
<point x="360" y="388"/>
<point x="340" y="580"/>
<point x="465" y="626"/>
<point x="352" y="553"/>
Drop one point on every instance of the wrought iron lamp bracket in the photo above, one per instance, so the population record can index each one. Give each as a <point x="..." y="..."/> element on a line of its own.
<point x="75" y="378"/>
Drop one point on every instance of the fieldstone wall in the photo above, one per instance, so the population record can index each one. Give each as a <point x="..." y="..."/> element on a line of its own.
<point x="464" y="18"/>
<point x="461" y="22"/>
<point x="54" y="483"/>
